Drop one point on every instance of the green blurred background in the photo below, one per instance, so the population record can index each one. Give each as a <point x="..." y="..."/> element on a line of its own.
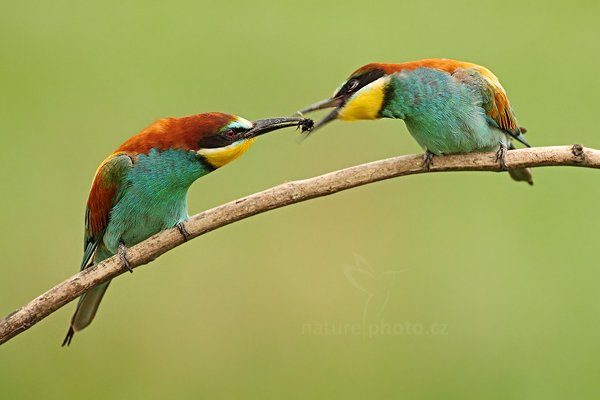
<point x="463" y="285"/>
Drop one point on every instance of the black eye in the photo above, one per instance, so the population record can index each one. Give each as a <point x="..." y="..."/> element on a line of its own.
<point x="352" y="84"/>
<point x="230" y="134"/>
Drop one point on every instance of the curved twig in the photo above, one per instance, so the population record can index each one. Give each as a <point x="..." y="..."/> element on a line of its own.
<point x="281" y="196"/>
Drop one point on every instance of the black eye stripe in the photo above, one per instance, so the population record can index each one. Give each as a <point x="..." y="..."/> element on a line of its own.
<point x="222" y="138"/>
<point x="214" y="141"/>
<point x="356" y="83"/>
<point x="235" y="129"/>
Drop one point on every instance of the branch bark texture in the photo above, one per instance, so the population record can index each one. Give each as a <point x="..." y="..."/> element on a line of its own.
<point x="276" y="197"/>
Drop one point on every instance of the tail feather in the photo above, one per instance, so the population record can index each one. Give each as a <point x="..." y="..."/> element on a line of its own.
<point x="521" y="174"/>
<point x="86" y="310"/>
<point x="69" y="337"/>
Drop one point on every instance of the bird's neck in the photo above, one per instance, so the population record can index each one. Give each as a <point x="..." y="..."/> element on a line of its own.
<point x="396" y="103"/>
<point x="169" y="172"/>
<point x="420" y="93"/>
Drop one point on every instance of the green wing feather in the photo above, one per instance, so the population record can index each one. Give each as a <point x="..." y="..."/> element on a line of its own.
<point x="107" y="189"/>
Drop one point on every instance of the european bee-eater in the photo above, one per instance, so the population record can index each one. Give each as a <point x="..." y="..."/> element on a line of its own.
<point x="141" y="188"/>
<point x="448" y="106"/>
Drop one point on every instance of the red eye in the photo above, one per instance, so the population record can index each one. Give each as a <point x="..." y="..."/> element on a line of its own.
<point x="352" y="84"/>
<point x="230" y="134"/>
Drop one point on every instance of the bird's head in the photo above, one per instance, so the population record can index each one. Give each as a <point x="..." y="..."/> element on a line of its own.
<point x="361" y="96"/>
<point x="217" y="138"/>
<point x="230" y="136"/>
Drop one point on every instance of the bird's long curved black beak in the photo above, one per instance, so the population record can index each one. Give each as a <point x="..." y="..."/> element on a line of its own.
<point x="263" y="126"/>
<point x="336" y="102"/>
<point x="332" y="102"/>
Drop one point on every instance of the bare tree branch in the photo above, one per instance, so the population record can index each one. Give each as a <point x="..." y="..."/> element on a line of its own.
<point x="281" y="196"/>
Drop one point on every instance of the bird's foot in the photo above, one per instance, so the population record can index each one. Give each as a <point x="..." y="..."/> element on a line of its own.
<point x="123" y="257"/>
<point x="501" y="157"/>
<point x="183" y="231"/>
<point x="428" y="159"/>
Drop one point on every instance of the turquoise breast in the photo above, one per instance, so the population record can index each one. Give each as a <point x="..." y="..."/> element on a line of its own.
<point x="155" y="197"/>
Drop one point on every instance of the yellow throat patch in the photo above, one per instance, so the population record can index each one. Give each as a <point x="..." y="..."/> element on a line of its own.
<point x="222" y="155"/>
<point x="366" y="103"/>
